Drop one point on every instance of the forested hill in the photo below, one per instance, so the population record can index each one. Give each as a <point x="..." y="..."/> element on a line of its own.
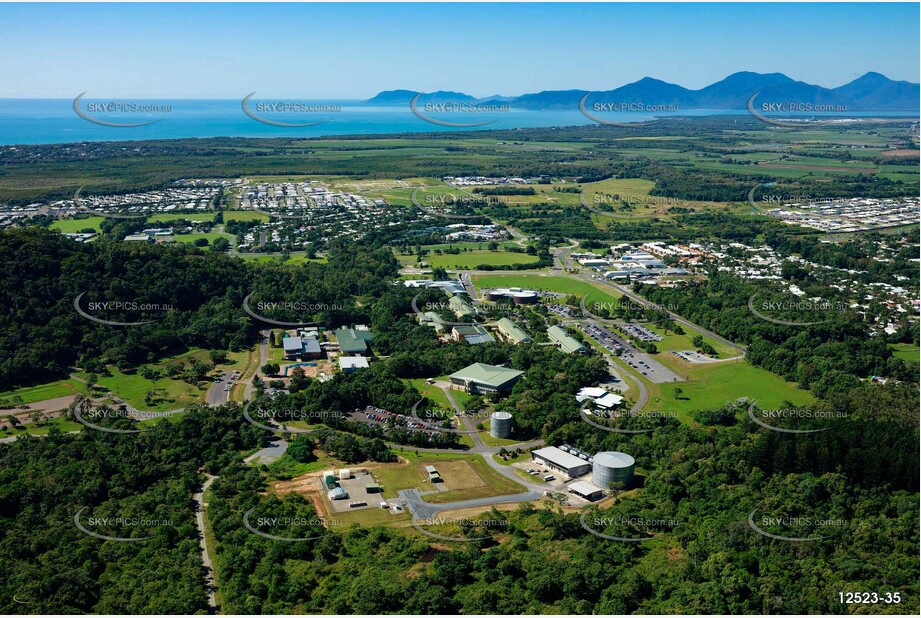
<point x="191" y="298"/>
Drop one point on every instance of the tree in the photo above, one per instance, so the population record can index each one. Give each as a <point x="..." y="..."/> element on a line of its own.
<point x="217" y="356"/>
<point x="220" y="244"/>
<point x="270" y="369"/>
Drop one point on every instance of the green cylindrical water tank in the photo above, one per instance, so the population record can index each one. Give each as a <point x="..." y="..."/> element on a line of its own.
<point x="612" y="467"/>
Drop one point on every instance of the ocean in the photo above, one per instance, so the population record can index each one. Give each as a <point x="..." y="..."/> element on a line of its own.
<point x="53" y="121"/>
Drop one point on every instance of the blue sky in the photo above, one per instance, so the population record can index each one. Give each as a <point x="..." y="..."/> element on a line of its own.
<point x="352" y="51"/>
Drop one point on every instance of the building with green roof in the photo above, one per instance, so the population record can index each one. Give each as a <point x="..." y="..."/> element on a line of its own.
<point x="483" y="378"/>
<point x="512" y="333"/>
<point x="460" y="307"/>
<point x="566" y="343"/>
<point x="353" y="341"/>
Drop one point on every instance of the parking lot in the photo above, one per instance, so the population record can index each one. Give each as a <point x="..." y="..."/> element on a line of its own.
<point x="373" y="415"/>
<point x="564" y="311"/>
<point x="651" y="369"/>
<point x="693" y="356"/>
<point x="641" y="332"/>
<point x="604" y="337"/>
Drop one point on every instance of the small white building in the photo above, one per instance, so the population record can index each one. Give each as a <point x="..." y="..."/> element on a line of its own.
<point x="351" y="364"/>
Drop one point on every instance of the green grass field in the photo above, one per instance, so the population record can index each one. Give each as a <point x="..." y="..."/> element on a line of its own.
<point x="488" y="440"/>
<point x="244" y="215"/>
<point x="671" y="341"/>
<point x="174" y="393"/>
<point x="72" y="226"/>
<point x="210" y="236"/>
<point x="195" y="216"/>
<point x="294" y="258"/>
<point x="547" y="283"/>
<point x="42" y="428"/>
<point x="470" y="259"/>
<point x="52" y="390"/>
<point x="711" y="386"/>
<point x="906" y="351"/>
<point x="432" y="392"/>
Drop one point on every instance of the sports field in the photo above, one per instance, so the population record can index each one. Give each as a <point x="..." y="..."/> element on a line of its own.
<point x="209" y="236"/>
<point x="470" y="259"/>
<point x="195" y="216"/>
<point x="549" y="283"/>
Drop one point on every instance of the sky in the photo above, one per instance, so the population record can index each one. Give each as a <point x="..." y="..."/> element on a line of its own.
<point x="353" y="51"/>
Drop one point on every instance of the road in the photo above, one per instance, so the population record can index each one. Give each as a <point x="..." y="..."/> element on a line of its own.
<point x="210" y="581"/>
<point x="643" y="362"/>
<point x="217" y="396"/>
<point x="604" y="282"/>
<point x="677" y="318"/>
<point x="263" y="359"/>
<point x="561" y="256"/>
<point x="421" y="509"/>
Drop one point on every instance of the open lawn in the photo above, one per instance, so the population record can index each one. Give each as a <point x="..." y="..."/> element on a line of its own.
<point x="293" y="258"/>
<point x="42" y="428"/>
<point x="72" y="226"/>
<point x="209" y="236"/>
<point x="548" y="283"/>
<point x="195" y="216"/>
<point x="906" y="351"/>
<point x="166" y="393"/>
<point x="42" y="392"/>
<point x="711" y="386"/>
<point x="470" y="259"/>
<point x="244" y="215"/>
<point x="431" y="392"/>
<point x="495" y="485"/>
<point x="671" y="341"/>
<point x="410" y="473"/>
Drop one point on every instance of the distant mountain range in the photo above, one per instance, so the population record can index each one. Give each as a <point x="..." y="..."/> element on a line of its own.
<point x="870" y="92"/>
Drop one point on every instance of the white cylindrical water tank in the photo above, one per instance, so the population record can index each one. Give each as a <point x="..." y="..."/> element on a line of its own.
<point x="500" y="425"/>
